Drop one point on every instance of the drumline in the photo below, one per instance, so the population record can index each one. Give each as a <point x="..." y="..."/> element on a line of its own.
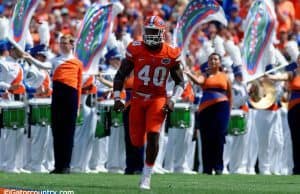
<point x="13" y="115"/>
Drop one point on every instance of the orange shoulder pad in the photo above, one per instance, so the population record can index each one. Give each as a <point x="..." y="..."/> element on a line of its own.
<point x="133" y="49"/>
<point x="173" y="52"/>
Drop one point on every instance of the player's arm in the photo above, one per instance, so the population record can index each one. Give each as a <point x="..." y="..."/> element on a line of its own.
<point x="124" y="71"/>
<point x="177" y="75"/>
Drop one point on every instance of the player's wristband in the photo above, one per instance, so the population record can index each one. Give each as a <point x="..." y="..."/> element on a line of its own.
<point x="173" y="99"/>
<point x="117" y="95"/>
<point x="178" y="90"/>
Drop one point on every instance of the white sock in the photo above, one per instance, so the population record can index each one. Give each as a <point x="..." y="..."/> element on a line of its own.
<point x="147" y="170"/>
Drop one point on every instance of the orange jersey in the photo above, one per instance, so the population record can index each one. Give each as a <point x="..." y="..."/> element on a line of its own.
<point x="151" y="68"/>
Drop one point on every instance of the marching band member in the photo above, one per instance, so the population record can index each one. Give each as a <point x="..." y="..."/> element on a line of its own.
<point x="84" y="133"/>
<point x="67" y="78"/>
<point x="293" y="110"/>
<point x="100" y="145"/>
<point x="38" y="82"/>
<point x="238" y="143"/>
<point x="11" y="79"/>
<point x="214" y="113"/>
<point x="267" y="121"/>
<point x="180" y="152"/>
<point x="116" y="143"/>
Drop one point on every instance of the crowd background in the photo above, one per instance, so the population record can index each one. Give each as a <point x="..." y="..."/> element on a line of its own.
<point x="64" y="17"/>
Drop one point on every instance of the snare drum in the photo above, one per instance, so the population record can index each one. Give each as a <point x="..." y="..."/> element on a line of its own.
<point x="40" y="111"/>
<point x="237" y="123"/>
<point x="116" y="117"/>
<point x="102" y="128"/>
<point x="13" y="114"/>
<point x="181" y="116"/>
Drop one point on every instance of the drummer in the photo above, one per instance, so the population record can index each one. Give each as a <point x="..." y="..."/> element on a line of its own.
<point x="85" y="130"/>
<point x="180" y="149"/>
<point x="39" y="91"/>
<point x="11" y="78"/>
<point x="115" y="161"/>
<point x="116" y="146"/>
<point x="236" y="144"/>
<point x="180" y="138"/>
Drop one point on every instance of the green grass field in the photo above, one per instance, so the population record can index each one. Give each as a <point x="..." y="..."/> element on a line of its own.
<point x="161" y="184"/>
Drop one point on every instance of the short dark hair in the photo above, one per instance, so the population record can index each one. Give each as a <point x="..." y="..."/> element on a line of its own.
<point x="214" y="53"/>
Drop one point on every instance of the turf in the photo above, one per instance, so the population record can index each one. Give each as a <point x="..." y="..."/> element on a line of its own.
<point x="161" y="184"/>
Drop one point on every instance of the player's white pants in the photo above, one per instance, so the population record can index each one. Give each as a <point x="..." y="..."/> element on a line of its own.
<point x="12" y="152"/>
<point x="79" y="137"/>
<point x="163" y="139"/>
<point x="2" y="148"/>
<point x="266" y="122"/>
<point x="234" y="155"/>
<point x="49" y="157"/>
<point x="191" y="145"/>
<point x="116" y="150"/>
<point x="89" y="126"/>
<point x="287" y="153"/>
<point x="252" y="142"/>
<point x="277" y="143"/>
<point x="178" y="150"/>
<point x="99" y="154"/>
<point x="38" y="148"/>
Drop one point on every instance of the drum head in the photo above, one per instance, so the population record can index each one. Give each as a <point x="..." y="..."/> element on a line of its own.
<point x="107" y="103"/>
<point x="237" y="112"/>
<point x="11" y="104"/>
<point x="39" y="101"/>
<point x="182" y="106"/>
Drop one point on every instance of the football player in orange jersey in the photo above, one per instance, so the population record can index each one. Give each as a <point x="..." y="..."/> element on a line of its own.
<point x="151" y="60"/>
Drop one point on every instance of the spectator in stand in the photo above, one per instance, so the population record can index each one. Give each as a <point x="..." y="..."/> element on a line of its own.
<point x="283" y="39"/>
<point x="285" y="11"/>
<point x="245" y="5"/>
<point x="297" y="7"/>
<point x="296" y="31"/>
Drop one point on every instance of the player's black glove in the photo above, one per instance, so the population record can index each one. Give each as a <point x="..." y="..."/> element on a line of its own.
<point x="119" y="105"/>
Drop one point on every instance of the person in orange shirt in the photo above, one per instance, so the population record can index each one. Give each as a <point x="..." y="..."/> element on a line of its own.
<point x="151" y="60"/>
<point x="297" y="7"/>
<point x="67" y="78"/>
<point x="285" y="11"/>
<point x="293" y="79"/>
<point x="214" y="113"/>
